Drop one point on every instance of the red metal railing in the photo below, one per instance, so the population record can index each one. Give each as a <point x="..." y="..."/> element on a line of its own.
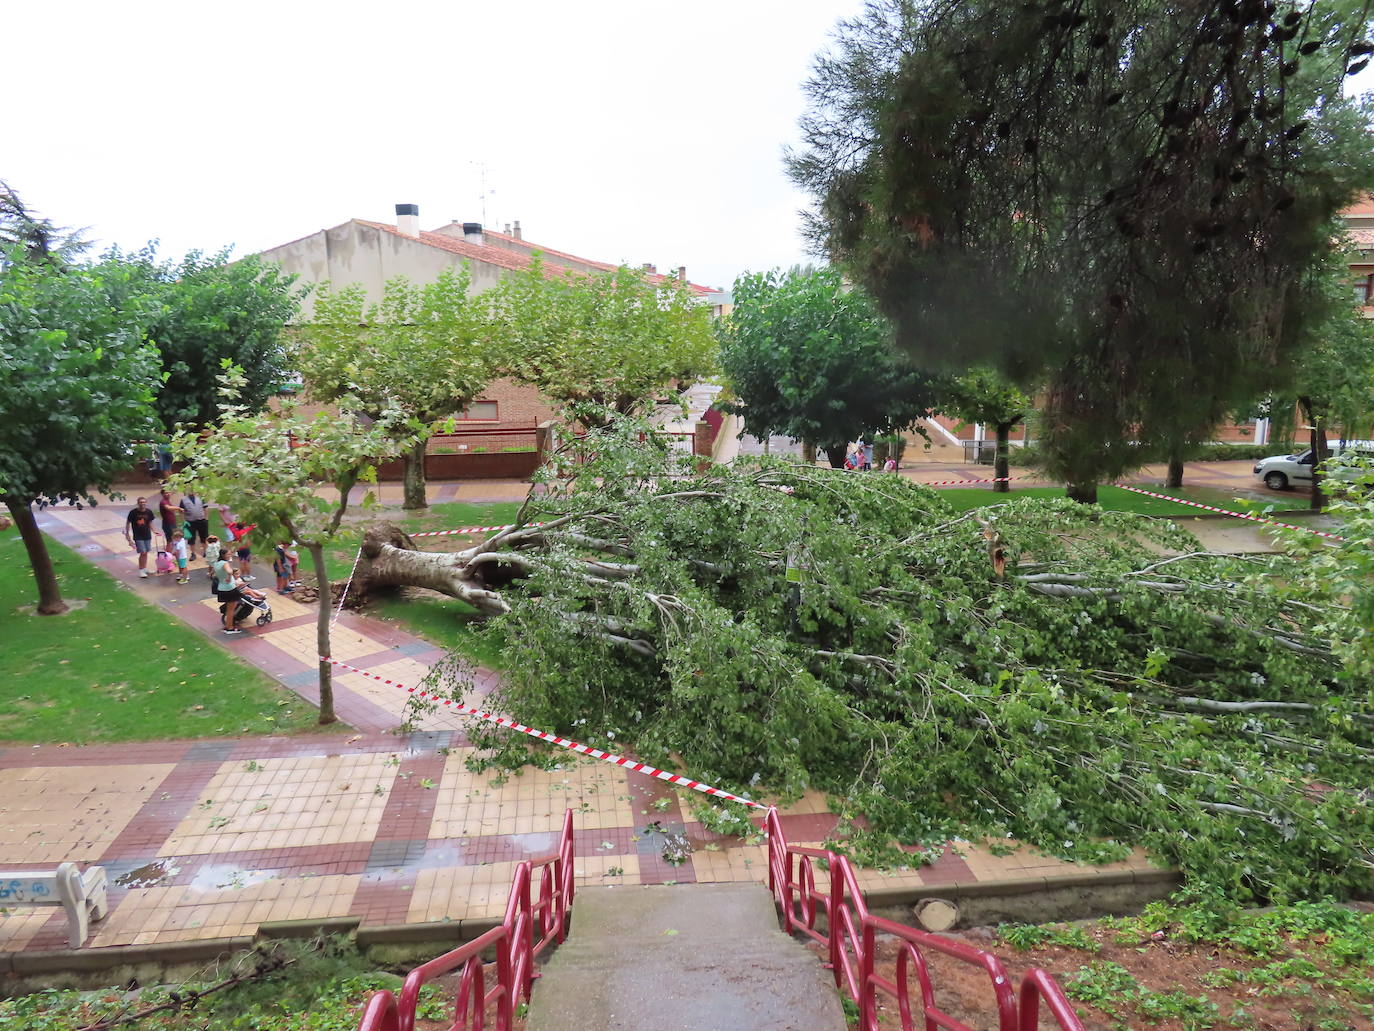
<point x="849" y="937"/>
<point x="528" y="928"/>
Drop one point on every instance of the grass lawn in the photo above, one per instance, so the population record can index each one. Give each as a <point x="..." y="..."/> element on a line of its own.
<point x="1112" y="498"/>
<point x="120" y="669"/>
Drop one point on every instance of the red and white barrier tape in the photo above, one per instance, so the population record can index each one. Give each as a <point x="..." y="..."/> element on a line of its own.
<point x="468" y="529"/>
<point x="1227" y="511"/>
<point x="347" y="586"/>
<point x="952" y="483"/>
<point x="562" y="742"/>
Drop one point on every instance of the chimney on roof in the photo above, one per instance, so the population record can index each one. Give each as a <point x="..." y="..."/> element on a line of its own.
<point x="682" y="274"/>
<point x="650" y="268"/>
<point x="472" y="233"/>
<point x="408" y="219"/>
<point x="517" y="230"/>
<point x="507" y="230"/>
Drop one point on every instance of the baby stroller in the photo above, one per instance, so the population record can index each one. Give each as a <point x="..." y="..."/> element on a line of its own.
<point x="247" y="605"/>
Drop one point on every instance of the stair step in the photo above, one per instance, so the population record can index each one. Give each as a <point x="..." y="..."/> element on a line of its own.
<point x="702" y="957"/>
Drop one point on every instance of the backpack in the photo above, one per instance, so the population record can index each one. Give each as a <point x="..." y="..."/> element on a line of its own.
<point x="164" y="562"/>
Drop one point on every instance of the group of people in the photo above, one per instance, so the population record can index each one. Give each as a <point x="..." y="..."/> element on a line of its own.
<point x="186" y="525"/>
<point x="862" y="458"/>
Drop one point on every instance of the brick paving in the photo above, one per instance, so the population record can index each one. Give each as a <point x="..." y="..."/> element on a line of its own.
<point x="211" y="838"/>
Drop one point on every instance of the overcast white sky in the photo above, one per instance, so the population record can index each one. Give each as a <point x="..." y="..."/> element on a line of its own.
<point x="620" y="130"/>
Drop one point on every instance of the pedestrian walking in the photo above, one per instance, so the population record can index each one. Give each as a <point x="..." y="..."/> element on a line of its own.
<point x="281" y="567"/>
<point x="138" y="531"/>
<point x="198" y="521"/>
<point x="179" y="552"/>
<point x="866" y="449"/>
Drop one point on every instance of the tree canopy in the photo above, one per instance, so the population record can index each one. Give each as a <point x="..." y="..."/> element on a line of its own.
<point x="981" y="395"/>
<point x="1121" y="193"/>
<point x="425" y="351"/>
<point x="77" y="384"/>
<point x="269" y="467"/>
<point x="611" y="341"/>
<point x="209" y="311"/>
<point x="811" y="358"/>
<point x="1082" y="680"/>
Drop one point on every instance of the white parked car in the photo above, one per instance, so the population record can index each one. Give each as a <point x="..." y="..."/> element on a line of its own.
<point x="1280" y="472"/>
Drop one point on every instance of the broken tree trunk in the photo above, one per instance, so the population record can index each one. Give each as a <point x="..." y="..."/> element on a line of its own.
<point x="390" y="559"/>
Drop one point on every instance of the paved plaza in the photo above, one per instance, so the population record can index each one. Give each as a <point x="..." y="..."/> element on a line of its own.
<point x="210" y="838"/>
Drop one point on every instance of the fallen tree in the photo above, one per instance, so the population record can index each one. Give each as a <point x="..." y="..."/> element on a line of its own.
<point x="1079" y="679"/>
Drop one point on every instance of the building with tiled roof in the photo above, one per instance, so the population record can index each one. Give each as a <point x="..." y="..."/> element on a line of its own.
<point x="1359" y="231"/>
<point x="370" y="253"/>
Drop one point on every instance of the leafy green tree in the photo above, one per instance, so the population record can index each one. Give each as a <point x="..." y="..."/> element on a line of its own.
<point x="1079" y="679"/>
<point x="77" y="383"/>
<point x="1338" y="576"/>
<point x="1332" y="374"/>
<point x="600" y="342"/>
<point x="211" y="311"/>
<point x="270" y="465"/>
<point x="981" y="395"/>
<point x="1120" y="195"/>
<point x="425" y="351"/>
<point x="810" y="358"/>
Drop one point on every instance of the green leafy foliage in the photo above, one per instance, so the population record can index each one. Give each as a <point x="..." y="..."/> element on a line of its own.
<point x="425" y="352"/>
<point x="777" y="626"/>
<point x="810" y="358"/>
<point x="1339" y="576"/>
<point x="77" y="377"/>
<point x="1031" y="936"/>
<point x="321" y="986"/>
<point x="421" y="350"/>
<point x="209" y="311"/>
<point x="614" y="340"/>
<point x="1123" y="196"/>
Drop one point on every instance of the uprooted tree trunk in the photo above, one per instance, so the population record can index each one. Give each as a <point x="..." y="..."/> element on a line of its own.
<point x="390" y="559"/>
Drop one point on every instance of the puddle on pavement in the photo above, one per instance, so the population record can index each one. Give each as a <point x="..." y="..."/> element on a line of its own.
<point x="670" y="842"/>
<point x="147" y="875"/>
<point x="222" y="876"/>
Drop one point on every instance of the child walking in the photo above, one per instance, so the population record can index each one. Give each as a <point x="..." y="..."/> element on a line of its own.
<point x="281" y="566"/>
<point x="183" y="558"/>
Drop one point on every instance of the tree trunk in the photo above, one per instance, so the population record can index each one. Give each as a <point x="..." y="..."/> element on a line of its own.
<point x="322" y="633"/>
<point x="1174" y="478"/>
<point x="1083" y="493"/>
<point x="836" y="453"/>
<point x="413" y="478"/>
<point x="50" y="601"/>
<point x="808" y="455"/>
<point x="1316" y="440"/>
<point x="1001" y="462"/>
<point x="389" y="559"/>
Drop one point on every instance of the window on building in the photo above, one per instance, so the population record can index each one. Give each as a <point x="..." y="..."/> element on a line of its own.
<point x="1362" y="290"/>
<point x="479" y="411"/>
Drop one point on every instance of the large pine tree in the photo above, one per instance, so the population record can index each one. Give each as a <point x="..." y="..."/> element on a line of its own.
<point x="1124" y="193"/>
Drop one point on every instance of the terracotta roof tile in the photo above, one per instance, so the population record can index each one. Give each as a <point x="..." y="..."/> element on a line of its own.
<point x="555" y="254"/>
<point x="1363" y="206"/>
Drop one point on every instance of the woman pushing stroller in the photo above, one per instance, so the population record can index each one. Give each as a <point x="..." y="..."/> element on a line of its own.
<point x="236" y="598"/>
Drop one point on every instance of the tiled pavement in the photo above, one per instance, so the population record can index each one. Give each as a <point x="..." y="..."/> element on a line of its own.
<point x="207" y="839"/>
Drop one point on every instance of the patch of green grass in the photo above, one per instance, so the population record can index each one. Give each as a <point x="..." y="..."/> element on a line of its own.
<point x="446" y="622"/>
<point x="118" y="668"/>
<point x="1113" y="499"/>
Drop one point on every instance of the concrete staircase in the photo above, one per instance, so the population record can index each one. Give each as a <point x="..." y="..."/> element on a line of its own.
<point x="692" y="957"/>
